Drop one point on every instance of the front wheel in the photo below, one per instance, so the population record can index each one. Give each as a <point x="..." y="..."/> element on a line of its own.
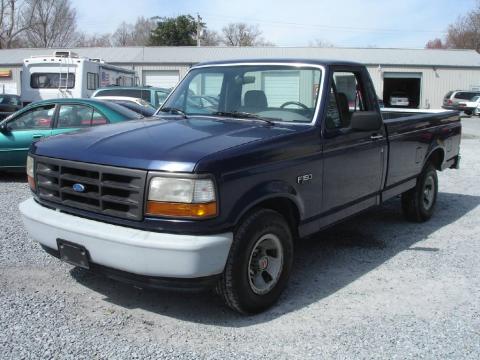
<point x="259" y="263"/>
<point x="418" y="203"/>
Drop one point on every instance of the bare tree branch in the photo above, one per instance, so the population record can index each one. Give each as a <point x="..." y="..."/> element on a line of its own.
<point x="53" y="23"/>
<point x="242" y="34"/>
<point x="15" y="19"/>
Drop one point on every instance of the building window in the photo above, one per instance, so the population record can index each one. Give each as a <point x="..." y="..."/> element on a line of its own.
<point x="92" y="81"/>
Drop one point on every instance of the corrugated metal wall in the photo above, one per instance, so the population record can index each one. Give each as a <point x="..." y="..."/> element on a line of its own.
<point x="181" y="68"/>
<point x="435" y="83"/>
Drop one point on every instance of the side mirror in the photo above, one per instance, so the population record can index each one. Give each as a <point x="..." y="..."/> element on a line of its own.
<point x="4" y="128"/>
<point x="366" y="121"/>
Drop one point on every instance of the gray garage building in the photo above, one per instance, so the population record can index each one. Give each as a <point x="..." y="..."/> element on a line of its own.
<point x="426" y="75"/>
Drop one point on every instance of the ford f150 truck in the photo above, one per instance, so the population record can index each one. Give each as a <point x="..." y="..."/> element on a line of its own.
<point x="215" y="194"/>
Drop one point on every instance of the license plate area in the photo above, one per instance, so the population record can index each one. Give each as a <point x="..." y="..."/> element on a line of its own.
<point x="73" y="254"/>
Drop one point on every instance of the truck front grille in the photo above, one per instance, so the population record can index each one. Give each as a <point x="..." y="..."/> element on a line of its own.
<point x="102" y="189"/>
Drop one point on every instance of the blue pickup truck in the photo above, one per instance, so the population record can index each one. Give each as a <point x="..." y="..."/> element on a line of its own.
<point x="215" y="194"/>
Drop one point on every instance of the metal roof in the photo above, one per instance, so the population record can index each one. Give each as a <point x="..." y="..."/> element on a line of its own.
<point x="192" y="55"/>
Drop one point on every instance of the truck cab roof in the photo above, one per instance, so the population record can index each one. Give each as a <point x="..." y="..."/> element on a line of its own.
<point x="286" y="61"/>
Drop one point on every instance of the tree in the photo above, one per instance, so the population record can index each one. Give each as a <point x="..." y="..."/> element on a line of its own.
<point x="15" y="19"/>
<point x="142" y="31"/>
<point x="210" y="38"/>
<point x="435" y="44"/>
<point x="123" y="36"/>
<point x="53" y="23"/>
<point x="463" y="34"/>
<point x="321" y="43"/>
<point x="242" y="34"/>
<point x="179" y="31"/>
<point x="95" y="40"/>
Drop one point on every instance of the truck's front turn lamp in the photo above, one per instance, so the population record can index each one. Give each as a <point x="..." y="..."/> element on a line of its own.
<point x="194" y="211"/>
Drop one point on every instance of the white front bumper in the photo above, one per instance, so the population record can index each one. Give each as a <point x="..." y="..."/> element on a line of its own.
<point x="132" y="250"/>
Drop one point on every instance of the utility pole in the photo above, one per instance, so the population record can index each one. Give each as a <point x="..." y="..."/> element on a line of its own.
<point x="199" y="28"/>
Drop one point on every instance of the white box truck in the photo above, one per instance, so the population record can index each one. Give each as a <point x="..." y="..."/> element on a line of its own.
<point x="66" y="75"/>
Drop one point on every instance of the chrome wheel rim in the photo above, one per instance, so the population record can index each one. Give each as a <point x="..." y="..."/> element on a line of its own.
<point x="428" y="192"/>
<point x="265" y="264"/>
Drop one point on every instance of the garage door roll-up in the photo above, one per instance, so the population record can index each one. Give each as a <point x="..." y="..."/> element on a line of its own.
<point x="402" y="75"/>
<point x="160" y="78"/>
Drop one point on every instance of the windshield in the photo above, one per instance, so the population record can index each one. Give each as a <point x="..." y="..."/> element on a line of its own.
<point x="274" y="92"/>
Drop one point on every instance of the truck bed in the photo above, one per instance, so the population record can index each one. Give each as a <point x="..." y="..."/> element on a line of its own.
<point x="413" y="134"/>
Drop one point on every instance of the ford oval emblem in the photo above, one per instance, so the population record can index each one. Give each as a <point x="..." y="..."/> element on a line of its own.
<point x="78" y="188"/>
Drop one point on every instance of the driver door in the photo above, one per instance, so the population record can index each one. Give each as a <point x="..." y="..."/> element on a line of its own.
<point x="354" y="160"/>
<point x="21" y="131"/>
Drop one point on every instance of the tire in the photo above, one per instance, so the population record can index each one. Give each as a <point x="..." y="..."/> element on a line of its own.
<point x="259" y="263"/>
<point x="418" y="204"/>
<point x="468" y="112"/>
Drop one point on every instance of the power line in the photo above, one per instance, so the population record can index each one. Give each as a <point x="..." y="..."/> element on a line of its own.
<point x="324" y="27"/>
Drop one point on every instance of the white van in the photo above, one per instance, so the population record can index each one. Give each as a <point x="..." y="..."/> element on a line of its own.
<point x="66" y="75"/>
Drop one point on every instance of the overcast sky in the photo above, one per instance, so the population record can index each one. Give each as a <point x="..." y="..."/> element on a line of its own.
<point x="347" y="23"/>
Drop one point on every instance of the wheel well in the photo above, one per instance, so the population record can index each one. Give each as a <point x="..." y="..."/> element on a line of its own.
<point x="287" y="208"/>
<point x="436" y="158"/>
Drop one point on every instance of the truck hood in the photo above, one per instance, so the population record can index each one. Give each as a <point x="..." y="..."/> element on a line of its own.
<point x="164" y="144"/>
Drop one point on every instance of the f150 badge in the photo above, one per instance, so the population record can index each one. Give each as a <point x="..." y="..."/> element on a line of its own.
<point x="302" y="179"/>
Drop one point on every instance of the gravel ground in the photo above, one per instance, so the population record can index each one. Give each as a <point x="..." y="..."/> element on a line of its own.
<point x="373" y="287"/>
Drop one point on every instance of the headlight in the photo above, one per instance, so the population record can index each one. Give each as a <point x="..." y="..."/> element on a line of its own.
<point x="30" y="168"/>
<point x="181" y="197"/>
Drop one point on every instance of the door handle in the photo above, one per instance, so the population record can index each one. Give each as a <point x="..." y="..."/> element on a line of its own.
<point x="376" y="137"/>
<point x="38" y="136"/>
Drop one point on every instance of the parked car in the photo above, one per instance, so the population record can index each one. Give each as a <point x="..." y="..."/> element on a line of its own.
<point x="470" y="107"/>
<point x="136" y="104"/>
<point x="155" y="96"/>
<point x="453" y="98"/>
<point x="204" y="197"/>
<point x="399" y="99"/>
<point x="145" y="111"/>
<point x="51" y="117"/>
<point x="9" y="104"/>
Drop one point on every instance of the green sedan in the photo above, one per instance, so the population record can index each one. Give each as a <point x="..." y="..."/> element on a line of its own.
<point x="52" y="117"/>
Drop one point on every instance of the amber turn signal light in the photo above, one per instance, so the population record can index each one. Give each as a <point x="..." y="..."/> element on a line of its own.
<point x="31" y="182"/>
<point x="182" y="210"/>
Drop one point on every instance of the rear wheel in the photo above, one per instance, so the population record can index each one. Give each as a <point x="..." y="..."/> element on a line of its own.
<point x="259" y="263"/>
<point x="418" y="203"/>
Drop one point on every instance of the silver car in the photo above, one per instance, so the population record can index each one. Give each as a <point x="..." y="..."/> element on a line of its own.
<point x="399" y="98"/>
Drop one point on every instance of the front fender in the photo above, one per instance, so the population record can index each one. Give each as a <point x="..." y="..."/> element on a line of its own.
<point x="263" y="192"/>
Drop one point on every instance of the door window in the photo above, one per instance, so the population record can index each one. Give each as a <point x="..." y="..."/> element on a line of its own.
<point x="98" y="119"/>
<point x="74" y="116"/>
<point x="345" y="98"/>
<point x="160" y="97"/>
<point x="38" y="118"/>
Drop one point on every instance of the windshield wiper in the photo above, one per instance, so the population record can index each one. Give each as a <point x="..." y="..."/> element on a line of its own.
<point x="173" y="110"/>
<point x="246" y="115"/>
